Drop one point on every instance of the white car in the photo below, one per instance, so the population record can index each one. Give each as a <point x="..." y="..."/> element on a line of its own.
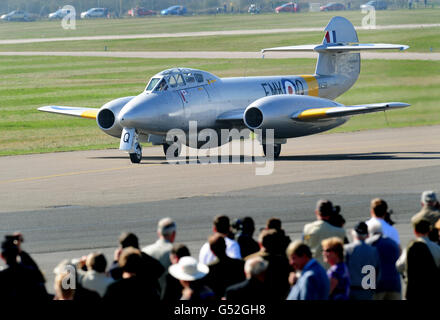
<point x="94" y="13"/>
<point x="59" y="14"/>
<point x="16" y="15"/>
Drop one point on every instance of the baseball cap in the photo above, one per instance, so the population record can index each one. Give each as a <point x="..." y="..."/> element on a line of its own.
<point x="428" y="197"/>
<point x="361" y="228"/>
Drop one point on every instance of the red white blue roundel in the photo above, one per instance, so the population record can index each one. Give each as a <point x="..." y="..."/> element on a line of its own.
<point x="289" y="87"/>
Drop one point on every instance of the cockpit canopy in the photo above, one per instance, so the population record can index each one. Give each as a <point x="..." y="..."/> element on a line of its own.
<point x="178" y="78"/>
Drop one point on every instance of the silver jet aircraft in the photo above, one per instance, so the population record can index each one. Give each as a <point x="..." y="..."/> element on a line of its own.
<point x="292" y="106"/>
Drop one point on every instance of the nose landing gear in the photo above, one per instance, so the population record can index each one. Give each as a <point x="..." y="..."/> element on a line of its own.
<point x="136" y="156"/>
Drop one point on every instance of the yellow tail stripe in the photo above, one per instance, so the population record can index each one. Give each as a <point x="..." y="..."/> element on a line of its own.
<point x="89" y="114"/>
<point x="313" y="113"/>
<point x="312" y="84"/>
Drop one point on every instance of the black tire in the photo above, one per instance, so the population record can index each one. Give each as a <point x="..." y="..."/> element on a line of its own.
<point x="176" y="152"/>
<point x="136" y="157"/>
<point x="276" y="150"/>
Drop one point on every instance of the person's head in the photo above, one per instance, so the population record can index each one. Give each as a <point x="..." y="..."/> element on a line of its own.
<point x="96" y="261"/>
<point x="360" y="231"/>
<point x="378" y="208"/>
<point x="270" y="240"/>
<point x="130" y="261"/>
<point x="255" y="268"/>
<point x="437" y="226"/>
<point x="166" y="229"/>
<point x="222" y="224"/>
<point x="375" y="228"/>
<point x="178" y="251"/>
<point x="248" y="226"/>
<point x="128" y="239"/>
<point x="65" y="282"/>
<point x="63" y="291"/>
<point x="9" y="252"/>
<point x="299" y="254"/>
<point x="428" y="199"/>
<point x="218" y="245"/>
<point x="333" y="250"/>
<point x="324" y="209"/>
<point x="188" y="270"/>
<point x="273" y="223"/>
<point x="422" y="228"/>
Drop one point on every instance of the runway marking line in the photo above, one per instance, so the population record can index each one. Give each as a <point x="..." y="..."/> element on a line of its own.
<point x="74" y="173"/>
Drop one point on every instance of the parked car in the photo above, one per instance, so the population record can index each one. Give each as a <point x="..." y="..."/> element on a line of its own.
<point x="253" y="9"/>
<point x="377" y="4"/>
<point x="16" y="15"/>
<point x="174" y="10"/>
<point x="287" y="7"/>
<point x="332" y="6"/>
<point x="140" y="12"/>
<point x="59" y="14"/>
<point x="95" y="13"/>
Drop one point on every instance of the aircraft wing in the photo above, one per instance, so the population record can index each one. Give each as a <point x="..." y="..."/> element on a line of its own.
<point x="89" y="113"/>
<point x="232" y="116"/>
<point x="335" y="112"/>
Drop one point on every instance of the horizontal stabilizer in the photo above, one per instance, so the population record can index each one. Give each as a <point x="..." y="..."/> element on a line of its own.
<point x="72" y="111"/>
<point x="338" y="47"/>
<point x="343" y="111"/>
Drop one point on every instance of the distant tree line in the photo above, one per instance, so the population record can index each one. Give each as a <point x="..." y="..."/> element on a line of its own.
<point x="118" y="7"/>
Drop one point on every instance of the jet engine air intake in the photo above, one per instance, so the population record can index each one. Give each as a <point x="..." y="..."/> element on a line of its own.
<point x="106" y="119"/>
<point x="253" y="118"/>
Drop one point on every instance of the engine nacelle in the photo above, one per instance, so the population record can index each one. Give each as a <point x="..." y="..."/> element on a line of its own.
<point x="107" y="117"/>
<point x="275" y="112"/>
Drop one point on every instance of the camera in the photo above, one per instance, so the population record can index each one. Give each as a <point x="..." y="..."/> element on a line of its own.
<point x="237" y="225"/>
<point x="15" y="238"/>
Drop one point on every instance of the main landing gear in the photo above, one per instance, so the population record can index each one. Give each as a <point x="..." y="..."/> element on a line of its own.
<point x="177" y="150"/>
<point x="276" y="150"/>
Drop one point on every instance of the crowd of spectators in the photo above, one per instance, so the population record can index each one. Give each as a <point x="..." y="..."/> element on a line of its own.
<point x="328" y="263"/>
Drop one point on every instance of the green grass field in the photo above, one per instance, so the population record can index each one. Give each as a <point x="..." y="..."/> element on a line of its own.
<point x="29" y="82"/>
<point x="47" y="29"/>
<point x="418" y="42"/>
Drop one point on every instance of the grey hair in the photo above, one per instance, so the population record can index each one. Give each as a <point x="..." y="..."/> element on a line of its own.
<point x="166" y="226"/>
<point x="255" y="266"/>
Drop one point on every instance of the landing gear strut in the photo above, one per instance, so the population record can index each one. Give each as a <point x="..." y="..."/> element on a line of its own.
<point x="276" y="150"/>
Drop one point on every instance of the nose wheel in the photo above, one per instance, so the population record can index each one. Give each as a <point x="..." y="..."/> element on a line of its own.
<point x="136" y="156"/>
<point x="276" y="150"/>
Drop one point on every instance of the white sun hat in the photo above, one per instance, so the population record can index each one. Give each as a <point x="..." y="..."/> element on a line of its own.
<point x="188" y="269"/>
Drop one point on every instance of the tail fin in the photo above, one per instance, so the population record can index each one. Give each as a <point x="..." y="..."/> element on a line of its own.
<point x="345" y="65"/>
<point x="339" y="52"/>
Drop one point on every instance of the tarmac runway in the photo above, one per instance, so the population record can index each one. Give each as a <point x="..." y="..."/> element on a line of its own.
<point x="71" y="203"/>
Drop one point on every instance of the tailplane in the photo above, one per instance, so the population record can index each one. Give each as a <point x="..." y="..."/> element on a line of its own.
<point x="339" y="52"/>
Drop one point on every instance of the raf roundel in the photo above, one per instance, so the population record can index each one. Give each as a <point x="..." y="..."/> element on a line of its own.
<point x="289" y="87"/>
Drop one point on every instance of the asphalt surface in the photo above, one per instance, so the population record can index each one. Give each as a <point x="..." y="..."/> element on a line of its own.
<point x="205" y="33"/>
<point x="69" y="204"/>
<point x="220" y="54"/>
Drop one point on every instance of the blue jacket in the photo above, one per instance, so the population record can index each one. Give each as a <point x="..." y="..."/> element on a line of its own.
<point x="313" y="284"/>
